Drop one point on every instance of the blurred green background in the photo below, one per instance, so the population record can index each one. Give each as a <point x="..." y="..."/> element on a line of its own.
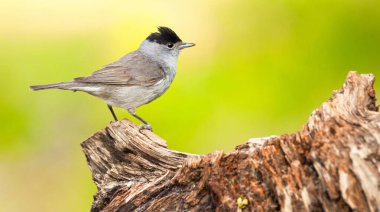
<point x="259" y="68"/>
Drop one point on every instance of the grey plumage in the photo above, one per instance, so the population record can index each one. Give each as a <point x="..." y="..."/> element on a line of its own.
<point x="60" y="85"/>
<point x="135" y="79"/>
<point x="132" y="69"/>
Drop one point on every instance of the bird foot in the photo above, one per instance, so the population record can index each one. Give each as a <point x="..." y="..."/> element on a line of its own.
<point x="113" y="121"/>
<point x="145" y="127"/>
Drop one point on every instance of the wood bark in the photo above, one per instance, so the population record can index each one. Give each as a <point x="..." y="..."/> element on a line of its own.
<point x="332" y="164"/>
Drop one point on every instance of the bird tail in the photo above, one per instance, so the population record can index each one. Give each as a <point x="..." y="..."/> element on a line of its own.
<point x="60" y="85"/>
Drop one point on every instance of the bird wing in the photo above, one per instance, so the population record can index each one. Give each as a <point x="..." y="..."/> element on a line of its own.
<point x="132" y="69"/>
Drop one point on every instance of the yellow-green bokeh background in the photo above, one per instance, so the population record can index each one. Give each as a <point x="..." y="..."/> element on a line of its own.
<point x="259" y="68"/>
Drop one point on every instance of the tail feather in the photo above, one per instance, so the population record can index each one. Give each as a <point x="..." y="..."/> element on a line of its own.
<point x="61" y="85"/>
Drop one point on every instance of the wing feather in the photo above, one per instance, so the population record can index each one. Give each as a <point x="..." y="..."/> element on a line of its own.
<point x="132" y="69"/>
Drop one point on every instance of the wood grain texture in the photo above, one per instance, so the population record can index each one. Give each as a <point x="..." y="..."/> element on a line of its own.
<point x="332" y="164"/>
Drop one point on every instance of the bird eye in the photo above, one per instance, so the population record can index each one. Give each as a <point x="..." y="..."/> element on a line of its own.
<point x="170" y="45"/>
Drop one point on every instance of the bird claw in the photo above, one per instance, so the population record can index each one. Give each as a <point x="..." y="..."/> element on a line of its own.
<point x="146" y="127"/>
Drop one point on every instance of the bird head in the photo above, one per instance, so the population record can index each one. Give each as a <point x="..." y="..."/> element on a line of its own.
<point x="163" y="45"/>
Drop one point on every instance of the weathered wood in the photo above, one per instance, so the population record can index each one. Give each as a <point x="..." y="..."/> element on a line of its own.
<point x="332" y="164"/>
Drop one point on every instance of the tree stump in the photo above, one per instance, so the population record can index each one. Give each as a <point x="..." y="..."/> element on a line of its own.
<point x="332" y="164"/>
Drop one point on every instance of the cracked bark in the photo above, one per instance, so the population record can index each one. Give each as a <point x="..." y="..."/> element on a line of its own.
<point x="332" y="164"/>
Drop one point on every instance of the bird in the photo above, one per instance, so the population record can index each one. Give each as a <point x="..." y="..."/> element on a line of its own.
<point x="135" y="79"/>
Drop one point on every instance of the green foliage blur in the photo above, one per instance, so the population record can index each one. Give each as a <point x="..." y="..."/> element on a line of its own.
<point x="259" y="68"/>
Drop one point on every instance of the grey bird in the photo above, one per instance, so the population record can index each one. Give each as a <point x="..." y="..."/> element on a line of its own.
<point x="135" y="79"/>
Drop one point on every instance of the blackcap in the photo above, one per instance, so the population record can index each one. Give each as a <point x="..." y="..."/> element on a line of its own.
<point x="135" y="79"/>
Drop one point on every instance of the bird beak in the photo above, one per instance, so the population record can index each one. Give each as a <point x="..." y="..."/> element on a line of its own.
<point x="186" y="45"/>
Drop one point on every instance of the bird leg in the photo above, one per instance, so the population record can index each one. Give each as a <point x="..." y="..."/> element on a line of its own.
<point x="146" y="124"/>
<point x="113" y="113"/>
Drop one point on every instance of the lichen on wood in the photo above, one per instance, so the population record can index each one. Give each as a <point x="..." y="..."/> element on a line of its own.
<point x="332" y="164"/>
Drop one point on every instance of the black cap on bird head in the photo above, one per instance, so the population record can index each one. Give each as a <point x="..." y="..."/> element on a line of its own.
<point x="164" y="35"/>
